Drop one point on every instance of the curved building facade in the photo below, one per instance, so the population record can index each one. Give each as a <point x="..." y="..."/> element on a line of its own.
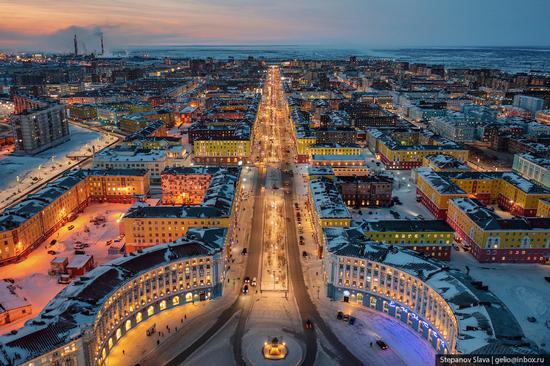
<point x="446" y="307"/>
<point x="82" y="324"/>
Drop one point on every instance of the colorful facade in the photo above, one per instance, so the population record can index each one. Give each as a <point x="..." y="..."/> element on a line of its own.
<point x="185" y="186"/>
<point x="403" y="157"/>
<point x="543" y="209"/>
<point x="437" y="302"/>
<point x="432" y="237"/>
<point x="495" y="239"/>
<point x="117" y="297"/>
<point x="147" y="226"/>
<point x="25" y="225"/>
<point x="510" y="191"/>
<point x="222" y="151"/>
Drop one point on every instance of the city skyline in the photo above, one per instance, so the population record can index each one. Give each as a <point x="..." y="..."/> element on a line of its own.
<point x="34" y="25"/>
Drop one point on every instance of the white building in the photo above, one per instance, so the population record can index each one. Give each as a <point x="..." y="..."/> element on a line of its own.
<point x="37" y="130"/>
<point x="453" y="126"/>
<point x="532" y="104"/>
<point x="532" y="167"/>
<point x="155" y="161"/>
<point x="437" y="302"/>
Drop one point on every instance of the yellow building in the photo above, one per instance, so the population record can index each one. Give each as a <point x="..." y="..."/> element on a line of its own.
<point x="509" y="190"/>
<point x="334" y="149"/>
<point x="27" y="224"/>
<point x="444" y="163"/>
<point x="303" y="144"/>
<point x="137" y="121"/>
<point x="82" y="112"/>
<point x="221" y="151"/>
<point x="543" y="209"/>
<point x="495" y="239"/>
<point x="151" y="225"/>
<point x="433" y="237"/>
<point x="405" y="157"/>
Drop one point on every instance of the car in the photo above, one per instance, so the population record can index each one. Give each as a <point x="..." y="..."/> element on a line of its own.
<point x="253" y="282"/>
<point x="244" y="251"/>
<point x="53" y="242"/>
<point x="245" y="289"/>
<point x="351" y="320"/>
<point x="346" y="318"/>
<point x="304" y="254"/>
<point x="308" y="324"/>
<point x="70" y="227"/>
<point x="79" y="252"/>
<point x="52" y="252"/>
<point x="340" y="315"/>
<point x="247" y="280"/>
<point x="382" y="344"/>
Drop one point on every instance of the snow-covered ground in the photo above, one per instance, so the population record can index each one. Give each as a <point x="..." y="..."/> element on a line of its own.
<point x="405" y="346"/>
<point x="31" y="275"/>
<point x="18" y="171"/>
<point x="521" y="287"/>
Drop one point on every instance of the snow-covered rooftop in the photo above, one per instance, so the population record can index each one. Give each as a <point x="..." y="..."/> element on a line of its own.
<point x="484" y="322"/>
<point x="328" y="200"/>
<point x="76" y="307"/>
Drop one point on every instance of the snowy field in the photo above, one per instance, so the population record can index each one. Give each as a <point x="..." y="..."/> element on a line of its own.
<point x="521" y="287"/>
<point x="18" y="171"/>
<point x="31" y="275"/>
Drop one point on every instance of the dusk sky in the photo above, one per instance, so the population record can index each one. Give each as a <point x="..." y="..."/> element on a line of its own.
<point x="48" y="25"/>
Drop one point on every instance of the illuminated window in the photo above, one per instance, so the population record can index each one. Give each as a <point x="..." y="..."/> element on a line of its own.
<point x="128" y="324"/>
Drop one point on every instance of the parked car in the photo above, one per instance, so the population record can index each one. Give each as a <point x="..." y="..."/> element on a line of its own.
<point x="151" y="330"/>
<point x="64" y="279"/>
<point x="52" y="252"/>
<point x="253" y="282"/>
<point x="244" y="251"/>
<point x="346" y="318"/>
<point x="304" y="254"/>
<point x="340" y="315"/>
<point x="351" y="320"/>
<point x="245" y="289"/>
<point x="308" y="324"/>
<point x="247" y="280"/>
<point x="53" y="242"/>
<point x="70" y="227"/>
<point x="382" y="344"/>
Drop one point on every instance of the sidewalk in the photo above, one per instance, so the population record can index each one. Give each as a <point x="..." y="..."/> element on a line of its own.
<point x="178" y="328"/>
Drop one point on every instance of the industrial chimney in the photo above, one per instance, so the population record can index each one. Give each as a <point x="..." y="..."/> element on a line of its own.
<point x="102" y="50"/>
<point x="75" y="46"/>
